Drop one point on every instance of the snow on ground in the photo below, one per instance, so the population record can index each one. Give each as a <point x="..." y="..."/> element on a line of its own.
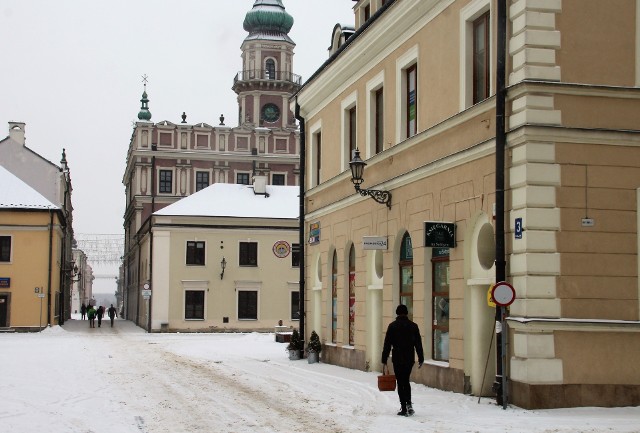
<point x="73" y="379"/>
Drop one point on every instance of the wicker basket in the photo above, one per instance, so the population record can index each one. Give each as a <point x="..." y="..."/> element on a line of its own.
<point x="386" y="381"/>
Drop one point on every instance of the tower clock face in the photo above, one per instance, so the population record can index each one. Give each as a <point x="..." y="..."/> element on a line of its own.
<point x="270" y="113"/>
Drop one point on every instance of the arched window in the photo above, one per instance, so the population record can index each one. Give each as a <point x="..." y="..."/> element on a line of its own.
<point x="334" y="298"/>
<point x="406" y="273"/>
<point x="352" y="296"/>
<point x="270" y="69"/>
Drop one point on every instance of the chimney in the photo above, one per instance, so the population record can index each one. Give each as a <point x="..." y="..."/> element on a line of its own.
<point x="16" y="131"/>
<point x="260" y="184"/>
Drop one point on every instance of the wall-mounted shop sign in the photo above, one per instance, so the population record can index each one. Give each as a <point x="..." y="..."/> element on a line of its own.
<point x="439" y="234"/>
<point x="314" y="233"/>
<point x="5" y="283"/>
<point x="374" y="242"/>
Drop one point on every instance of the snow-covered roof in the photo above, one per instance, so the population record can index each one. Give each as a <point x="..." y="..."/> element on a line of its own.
<point x="237" y="201"/>
<point x="15" y="194"/>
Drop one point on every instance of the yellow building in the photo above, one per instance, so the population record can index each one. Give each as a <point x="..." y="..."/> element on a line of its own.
<point x="414" y="92"/>
<point x="226" y="258"/>
<point x="31" y="265"/>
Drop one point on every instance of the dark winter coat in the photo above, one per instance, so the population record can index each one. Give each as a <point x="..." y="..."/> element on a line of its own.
<point x="404" y="337"/>
<point x="112" y="312"/>
<point x="100" y="313"/>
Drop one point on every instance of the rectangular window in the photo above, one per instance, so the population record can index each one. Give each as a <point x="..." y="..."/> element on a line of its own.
<point x="412" y="100"/>
<point x="379" y="121"/>
<point x="295" y="255"/>
<point x="5" y="248"/>
<point x="352" y="132"/>
<point x="481" y="58"/>
<point x="295" y="305"/>
<point x="202" y="180"/>
<point x="247" y="305"/>
<point x="318" y="157"/>
<point x="166" y="182"/>
<point x="248" y="254"/>
<point x="367" y="12"/>
<point x="440" y="302"/>
<point x="277" y="179"/>
<point x="242" y="178"/>
<point x="194" y="304"/>
<point x="195" y="253"/>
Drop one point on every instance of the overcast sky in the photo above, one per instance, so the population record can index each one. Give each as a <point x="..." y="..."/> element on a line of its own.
<point x="72" y="71"/>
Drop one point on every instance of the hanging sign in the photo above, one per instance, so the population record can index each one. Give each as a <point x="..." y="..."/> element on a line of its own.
<point x="5" y="283"/>
<point x="314" y="233"/>
<point x="374" y="242"/>
<point x="281" y="249"/>
<point x="439" y="234"/>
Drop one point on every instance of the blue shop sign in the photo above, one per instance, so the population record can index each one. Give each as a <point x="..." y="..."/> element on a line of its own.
<point x="5" y="283"/>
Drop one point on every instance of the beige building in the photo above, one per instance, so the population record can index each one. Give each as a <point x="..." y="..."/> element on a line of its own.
<point x="223" y="259"/>
<point x="168" y="161"/>
<point x="414" y="91"/>
<point x="31" y="259"/>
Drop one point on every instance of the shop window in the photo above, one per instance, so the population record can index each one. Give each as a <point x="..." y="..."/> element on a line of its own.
<point x="440" y="302"/>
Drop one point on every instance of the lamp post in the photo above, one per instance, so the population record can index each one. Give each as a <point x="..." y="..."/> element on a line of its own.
<point x="357" y="170"/>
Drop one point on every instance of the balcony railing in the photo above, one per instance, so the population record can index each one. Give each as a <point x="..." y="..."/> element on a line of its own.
<point x="265" y="74"/>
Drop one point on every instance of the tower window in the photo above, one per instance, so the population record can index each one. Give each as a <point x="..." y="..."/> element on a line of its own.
<point x="270" y="69"/>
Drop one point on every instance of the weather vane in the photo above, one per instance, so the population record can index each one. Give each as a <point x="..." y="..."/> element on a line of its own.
<point x="145" y="80"/>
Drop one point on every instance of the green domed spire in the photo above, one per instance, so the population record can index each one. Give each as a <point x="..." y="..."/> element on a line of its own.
<point x="144" y="113"/>
<point x="268" y="16"/>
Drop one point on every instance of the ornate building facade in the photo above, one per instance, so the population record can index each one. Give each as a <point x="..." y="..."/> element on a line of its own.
<point x="168" y="161"/>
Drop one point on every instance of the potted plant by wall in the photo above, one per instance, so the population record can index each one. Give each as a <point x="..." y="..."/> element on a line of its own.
<point x="294" y="346"/>
<point x="314" y="348"/>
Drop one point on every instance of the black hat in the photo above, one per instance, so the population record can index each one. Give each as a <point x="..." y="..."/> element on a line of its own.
<point x="402" y="309"/>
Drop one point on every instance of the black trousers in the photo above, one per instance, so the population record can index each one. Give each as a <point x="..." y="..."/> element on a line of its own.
<point x="402" y="372"/>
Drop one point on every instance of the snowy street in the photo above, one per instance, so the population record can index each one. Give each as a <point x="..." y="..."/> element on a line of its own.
<point x="79" y="380"/>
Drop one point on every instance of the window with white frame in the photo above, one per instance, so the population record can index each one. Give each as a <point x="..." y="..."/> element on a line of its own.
<point x="202" y="180"/>
<point x="407" y="94"/>
<point x="349" y="129"/>
<point x="195" y="253"/>
<point x="242" y="178"/>
<point x="475" y="53"/>
<point x="247" y="305"/>
<point x="194" y="304"/>
<point x="5" y="249"/>
<point x="375" y="115"/>
<point x="295" y="305"/>
<point x="248" y="255"/>
<point x="278" y="179"/>
<point x="165" y="185"/>
<point x="315" y="154"/>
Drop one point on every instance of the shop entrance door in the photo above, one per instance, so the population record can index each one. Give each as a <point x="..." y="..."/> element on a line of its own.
<point x="4" y="310"/>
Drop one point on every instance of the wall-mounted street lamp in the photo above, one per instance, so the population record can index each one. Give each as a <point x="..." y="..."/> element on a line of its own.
<point x="357" y="170"/>
<point x="223" y="264"/>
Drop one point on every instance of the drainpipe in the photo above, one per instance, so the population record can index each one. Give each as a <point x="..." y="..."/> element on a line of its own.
<point x="301" y="239"/>
<point x="153" y="209"/>
<point x="499" y="386"/>
<point x="50" y="267"/>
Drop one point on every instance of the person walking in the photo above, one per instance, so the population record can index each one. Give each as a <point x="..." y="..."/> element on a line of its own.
<point x="83" y="311"/>
<point x="91" y="314"/>
<point x="403" y="341"/>
<point x="100" y="314"/>
<point x="111" y="312"/>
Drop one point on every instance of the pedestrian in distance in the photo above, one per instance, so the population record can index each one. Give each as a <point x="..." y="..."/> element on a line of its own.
<point x="83" y="311"/>
<point x="111" y="312"/>
<point x="403" y="341"/>
<point x="100" y="315"/>
<point x="91" y="314"/>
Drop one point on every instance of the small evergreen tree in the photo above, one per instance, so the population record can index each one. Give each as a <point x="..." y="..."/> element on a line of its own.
<point x="294" y="343"/>
<point x="314" y="343"/>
